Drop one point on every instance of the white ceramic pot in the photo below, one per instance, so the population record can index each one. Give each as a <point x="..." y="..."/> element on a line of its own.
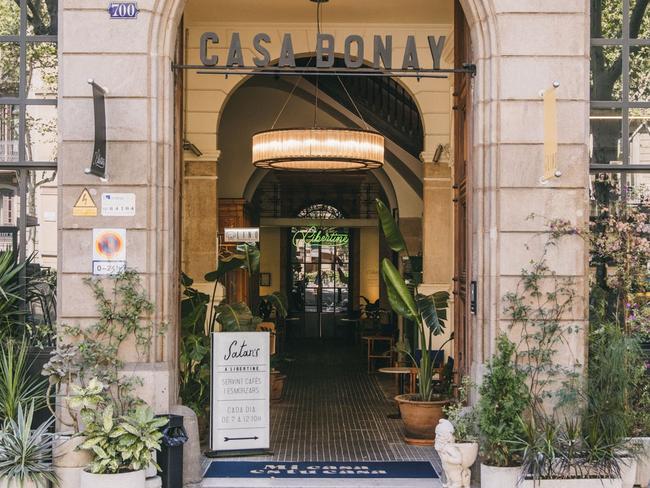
<point x="66" y="454"/>
<point x="582" y="483"/>
<point x="17" y="484"/>
<point x="642" y="445"/>
<point x="495" y="477"/>
<point x="132" y="479"/>
<point x="628" y="471"/>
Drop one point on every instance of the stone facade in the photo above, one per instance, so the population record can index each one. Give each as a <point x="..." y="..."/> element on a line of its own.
<point x="519" y="46"/>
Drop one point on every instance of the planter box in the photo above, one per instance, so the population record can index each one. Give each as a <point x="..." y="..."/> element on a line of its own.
<point x="643" y="460"/>
<point x="66" y="454"/>
<point x="583" y="483"/>
<point x="68" y="477"/>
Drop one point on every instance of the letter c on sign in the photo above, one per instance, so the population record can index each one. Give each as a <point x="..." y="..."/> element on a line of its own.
<point x="203" y="48"/>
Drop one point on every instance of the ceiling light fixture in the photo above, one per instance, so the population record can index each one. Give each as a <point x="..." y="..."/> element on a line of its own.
<point x="315" y="148"/>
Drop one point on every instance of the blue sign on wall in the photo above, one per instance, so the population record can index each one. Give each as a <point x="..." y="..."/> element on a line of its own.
<point x="123" y="10"/>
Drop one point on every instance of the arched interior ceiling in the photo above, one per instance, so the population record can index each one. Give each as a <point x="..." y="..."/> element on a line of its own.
<point x="334" y="11"/>
<point x="254" y="106"/>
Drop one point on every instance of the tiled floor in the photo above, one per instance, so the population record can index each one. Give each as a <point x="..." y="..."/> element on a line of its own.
<point x="333" y="410"/>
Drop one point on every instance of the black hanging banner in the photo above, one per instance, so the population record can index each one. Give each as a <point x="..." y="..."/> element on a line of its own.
<point x="98" y="164"/>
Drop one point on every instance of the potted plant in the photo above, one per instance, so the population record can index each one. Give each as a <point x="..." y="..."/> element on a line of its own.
<point x="640" y="430"/>
<point x="16" y="385"/>
<point x="273" y="302"/>
<point x="504" y="398"/>
<point x="122" y="446"/>
<point x="420" y="411"/>
<point x="88" y="371"/>
<point x="25" y="454"/>
<point x="460" y="451"/>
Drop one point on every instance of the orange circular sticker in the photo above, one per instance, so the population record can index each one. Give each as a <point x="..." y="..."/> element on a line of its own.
<point x="109" y="245"/>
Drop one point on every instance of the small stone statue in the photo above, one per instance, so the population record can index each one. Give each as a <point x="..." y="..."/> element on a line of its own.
<point x="457" y="475"/>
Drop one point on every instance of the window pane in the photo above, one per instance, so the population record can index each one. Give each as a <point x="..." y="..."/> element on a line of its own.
<point x="42" y="217"/>
<point x="9" y="133"/>
<point x="605" y="136"/>
<point x="42" y="72"/>
<point x="640" y="136"/>
<point x="42" y="17"/>
<point x="9" y="18"/>
<point x="640" y="74"/>
<point x="606" y="73"/>
<point x="607" y="18"/>
<point x="9" y="69"/>
<point x="639" y="19"/>
<point x="41" y="134"/>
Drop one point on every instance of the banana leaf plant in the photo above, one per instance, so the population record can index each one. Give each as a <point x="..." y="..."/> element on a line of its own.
<point x="275" y="301"/>
<point x="246" y="257"/>
<point x="428" y="312"/>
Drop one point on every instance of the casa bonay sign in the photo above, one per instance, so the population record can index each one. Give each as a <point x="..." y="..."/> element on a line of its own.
<point x="355" y="50"/>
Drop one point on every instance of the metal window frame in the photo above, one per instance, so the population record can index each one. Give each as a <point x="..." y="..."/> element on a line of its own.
<point x="22" y="167"/>
<point x="625" y="43"/>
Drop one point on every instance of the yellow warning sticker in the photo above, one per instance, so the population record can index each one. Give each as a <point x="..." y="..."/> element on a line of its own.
<point x="85" y="206"/>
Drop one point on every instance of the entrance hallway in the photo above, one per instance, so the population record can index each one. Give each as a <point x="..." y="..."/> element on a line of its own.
<point x="333" y="410"/>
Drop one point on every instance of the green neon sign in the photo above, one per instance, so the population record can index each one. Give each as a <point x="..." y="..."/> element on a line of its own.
<point x="327" y="236"/>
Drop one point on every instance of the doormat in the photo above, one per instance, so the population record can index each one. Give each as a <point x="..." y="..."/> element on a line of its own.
<point x="364" y="469"/>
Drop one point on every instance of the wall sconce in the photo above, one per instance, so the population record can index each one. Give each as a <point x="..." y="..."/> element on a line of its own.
<point x="438" y="154"/>
<point x="188" y="146"/>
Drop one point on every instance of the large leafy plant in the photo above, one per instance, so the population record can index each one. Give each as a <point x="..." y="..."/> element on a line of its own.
<point x="25" y="453"/>
<point x="504" y="399"/>
<point x="200" y="314"/>
<point x="428" y="312"/>
<point x="123" y="316"/>
<point x="124" y="443"/>
<point x="11" y="294"/>
<point x="17" y="387"/>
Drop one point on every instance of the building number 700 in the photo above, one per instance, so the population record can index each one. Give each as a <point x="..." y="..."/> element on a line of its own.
<point x="119" y="10"/>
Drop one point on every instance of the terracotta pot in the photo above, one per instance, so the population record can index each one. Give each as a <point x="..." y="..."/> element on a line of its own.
<point x="420" y="418"/>
<point x="66" y="454"/>
<point x="497" y="477"/>
<point x="132" y="479"/>
<point x="277" y="385"/>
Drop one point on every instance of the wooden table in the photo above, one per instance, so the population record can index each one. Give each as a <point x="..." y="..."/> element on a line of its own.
<point x="402" y="371"/>
<point x="372" y="355"/>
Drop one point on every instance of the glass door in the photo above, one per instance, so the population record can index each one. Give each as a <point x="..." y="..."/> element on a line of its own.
<point x="320" y="273"/>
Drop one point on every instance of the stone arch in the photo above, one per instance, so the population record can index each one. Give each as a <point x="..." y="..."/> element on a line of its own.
<point x="480" y="15"/>
<point x="404" y="83"/>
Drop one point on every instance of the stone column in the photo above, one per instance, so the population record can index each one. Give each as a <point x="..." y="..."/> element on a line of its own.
<point x="200" y="217"/>
<point x="437" y="235"/>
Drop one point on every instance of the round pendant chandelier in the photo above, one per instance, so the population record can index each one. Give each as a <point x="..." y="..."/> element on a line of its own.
<point x="315" y="148"/>
<point x="318" y="149"/>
